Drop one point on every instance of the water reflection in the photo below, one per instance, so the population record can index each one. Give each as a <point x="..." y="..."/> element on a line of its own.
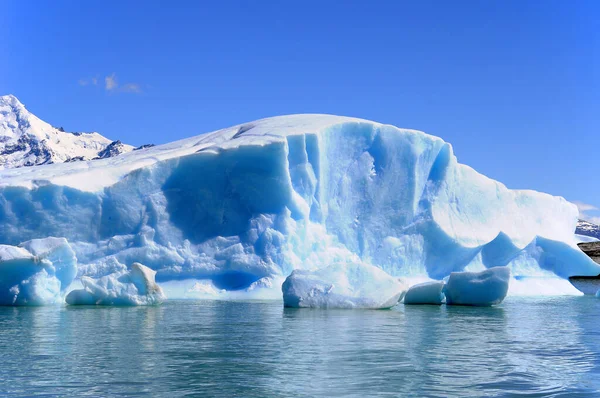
<point x="525" y="346"/>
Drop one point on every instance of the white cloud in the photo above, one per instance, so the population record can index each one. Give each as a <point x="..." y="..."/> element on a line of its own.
<point x="584" y="212"/>
<point x="584" y="206"/>
<point x="110" y="82"/>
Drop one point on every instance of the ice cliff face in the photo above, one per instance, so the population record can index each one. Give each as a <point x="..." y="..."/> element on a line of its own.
<point x="254" y="202"/>
<point x="25" y="140"/>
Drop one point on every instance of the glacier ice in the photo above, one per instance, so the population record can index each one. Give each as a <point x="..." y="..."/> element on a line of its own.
<point x="134" y="287"/>
<point x="483" y="288"/>
<point x="425" y="293"/>
<point x="300" y="192"/>
<point x="36" y="272"/>
<point x="342" y="286"/>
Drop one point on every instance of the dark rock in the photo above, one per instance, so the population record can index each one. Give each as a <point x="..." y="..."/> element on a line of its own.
<point x="144" y="147"/>
<point x="592" y="249"/>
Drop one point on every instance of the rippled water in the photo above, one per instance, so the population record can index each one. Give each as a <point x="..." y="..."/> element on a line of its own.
<point x="532" y="347"/>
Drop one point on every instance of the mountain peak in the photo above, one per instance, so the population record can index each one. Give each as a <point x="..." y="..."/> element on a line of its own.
<point x="26" y="140"/>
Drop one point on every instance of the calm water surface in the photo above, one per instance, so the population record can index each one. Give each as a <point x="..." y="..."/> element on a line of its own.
<point x="528" y="347"/>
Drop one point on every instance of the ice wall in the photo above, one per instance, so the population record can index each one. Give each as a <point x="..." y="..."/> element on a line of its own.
<point x="294" y="192"/>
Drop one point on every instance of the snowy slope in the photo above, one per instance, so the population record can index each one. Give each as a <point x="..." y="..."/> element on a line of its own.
<point x="25" y="140"/>
<point x="587" y="228"/>
<point x="241" y="208"/>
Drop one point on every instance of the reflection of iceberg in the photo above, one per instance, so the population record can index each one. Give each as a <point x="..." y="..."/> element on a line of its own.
<point x="304" y="192"/>
<point x="133" y="287"/>
<point x="37" y="272"/>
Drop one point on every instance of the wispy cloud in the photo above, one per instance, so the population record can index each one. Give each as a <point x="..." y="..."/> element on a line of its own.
<point x="131" y="88"/>
<point x="85" y="82"/>
<point x="584" y="212"/>
<point x="111" y="84"/>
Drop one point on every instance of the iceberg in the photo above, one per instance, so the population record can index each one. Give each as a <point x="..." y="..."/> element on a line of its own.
<point x="300" y="192"/>
<point x="485" y="288"/>
<point x="425" y="293"/>
<point x="342" y="286"/>
<point x="134" y="287"/>
<point x="36" y="272"/>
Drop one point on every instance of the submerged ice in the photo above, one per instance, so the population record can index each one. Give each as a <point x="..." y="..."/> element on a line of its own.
<point x="304" y="192"/>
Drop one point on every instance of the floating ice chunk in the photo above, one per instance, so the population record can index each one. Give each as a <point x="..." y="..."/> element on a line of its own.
<point x="37" y="273"/>
<point x="484" y="288"/>
<point x="353" y="285"/>
<point x="134" y="287"/>
<point x="425" y="293"/>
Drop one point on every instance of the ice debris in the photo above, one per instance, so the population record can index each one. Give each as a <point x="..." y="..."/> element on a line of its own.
<point x="36" y="272"/>
<point x="134" y="287"/>
<point x="351" y="285"/>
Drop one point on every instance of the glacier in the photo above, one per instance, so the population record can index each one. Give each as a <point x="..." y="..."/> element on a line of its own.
<point x="222" y="211"/>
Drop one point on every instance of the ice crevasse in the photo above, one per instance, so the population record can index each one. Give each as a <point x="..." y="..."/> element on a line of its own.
<point x="239" y="209"/>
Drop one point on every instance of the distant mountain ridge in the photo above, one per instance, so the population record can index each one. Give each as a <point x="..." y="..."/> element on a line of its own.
<point x="26" y="140"/>
<point x="587" y="228"/>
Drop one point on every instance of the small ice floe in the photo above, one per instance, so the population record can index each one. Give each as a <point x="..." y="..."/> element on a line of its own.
<point x="342" y="285"/>
<point x="425" y="293"/>
<point x="483" y="288"/>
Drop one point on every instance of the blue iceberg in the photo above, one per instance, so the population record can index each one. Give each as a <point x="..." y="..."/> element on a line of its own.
<point x="299" y="192"/>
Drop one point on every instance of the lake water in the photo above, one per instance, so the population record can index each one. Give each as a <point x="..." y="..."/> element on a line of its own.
<point x="529" y="347"/>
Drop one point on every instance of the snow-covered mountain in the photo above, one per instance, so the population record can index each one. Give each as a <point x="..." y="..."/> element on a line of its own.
<point x="26" y="140"/>
<point x="586" y="228"/>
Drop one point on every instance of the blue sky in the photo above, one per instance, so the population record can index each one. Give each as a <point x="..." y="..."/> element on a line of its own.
<point x="513" y="85"/>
